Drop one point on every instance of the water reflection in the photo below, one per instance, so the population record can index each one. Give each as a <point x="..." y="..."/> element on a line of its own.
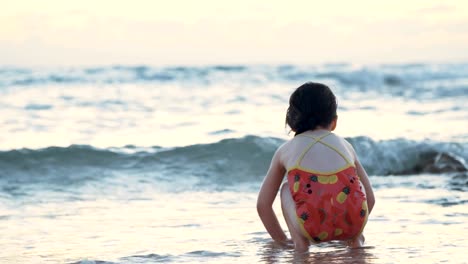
<point x="333" y="252"/>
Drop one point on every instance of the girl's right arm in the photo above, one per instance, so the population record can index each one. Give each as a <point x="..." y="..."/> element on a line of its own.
<point x="267" y="195"/>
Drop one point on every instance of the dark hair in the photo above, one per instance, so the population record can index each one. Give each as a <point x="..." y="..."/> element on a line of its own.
<point x="311" y="105"/>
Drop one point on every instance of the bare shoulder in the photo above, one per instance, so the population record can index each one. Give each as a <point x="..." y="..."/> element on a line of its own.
<point x="348" y="146"/>
<point x="283" y="150"/>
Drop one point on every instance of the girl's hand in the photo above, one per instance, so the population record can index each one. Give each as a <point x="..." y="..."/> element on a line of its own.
<point x="287" y="243"/>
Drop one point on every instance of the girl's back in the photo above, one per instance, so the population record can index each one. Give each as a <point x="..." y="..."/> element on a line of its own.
<point x="329" y="198"/>
<point x="329" y="153"/>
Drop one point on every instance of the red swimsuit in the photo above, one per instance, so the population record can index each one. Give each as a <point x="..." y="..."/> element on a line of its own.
<point x="329" y="205"/>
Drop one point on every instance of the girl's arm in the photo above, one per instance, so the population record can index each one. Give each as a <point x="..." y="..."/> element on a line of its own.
<point x="364" y="178"/>
<point x="367" y="185"/>
<point x="267" y="195"/>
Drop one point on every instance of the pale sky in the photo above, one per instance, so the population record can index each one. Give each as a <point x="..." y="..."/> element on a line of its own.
<point x="168" y="32"/>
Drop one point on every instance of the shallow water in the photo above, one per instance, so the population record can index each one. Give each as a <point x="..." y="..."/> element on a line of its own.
<point x="409" y="224"/>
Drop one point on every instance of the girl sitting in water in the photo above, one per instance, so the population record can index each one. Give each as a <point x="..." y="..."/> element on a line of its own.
<point x="327" y="195"/>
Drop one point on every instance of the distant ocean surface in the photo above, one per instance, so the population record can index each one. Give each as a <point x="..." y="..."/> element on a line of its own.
<point x="143" y="164"/>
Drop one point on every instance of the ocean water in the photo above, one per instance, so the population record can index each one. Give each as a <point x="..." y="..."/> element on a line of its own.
<point x="143" y="164"/>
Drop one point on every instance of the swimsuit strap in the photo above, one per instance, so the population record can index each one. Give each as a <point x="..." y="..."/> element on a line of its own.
<point x="319" y="140"/>
<point x="316" y="139"/>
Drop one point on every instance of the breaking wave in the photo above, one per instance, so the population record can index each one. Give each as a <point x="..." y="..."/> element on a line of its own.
<point x="226" y="162"/>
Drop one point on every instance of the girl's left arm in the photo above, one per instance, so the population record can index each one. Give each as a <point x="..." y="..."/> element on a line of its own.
<point x="267" y="195"/>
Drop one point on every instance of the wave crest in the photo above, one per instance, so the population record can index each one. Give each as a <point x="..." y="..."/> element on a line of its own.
<point x="226" y="162"/>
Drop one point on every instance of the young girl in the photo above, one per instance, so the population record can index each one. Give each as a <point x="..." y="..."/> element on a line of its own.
<point x="327" y="195"/>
